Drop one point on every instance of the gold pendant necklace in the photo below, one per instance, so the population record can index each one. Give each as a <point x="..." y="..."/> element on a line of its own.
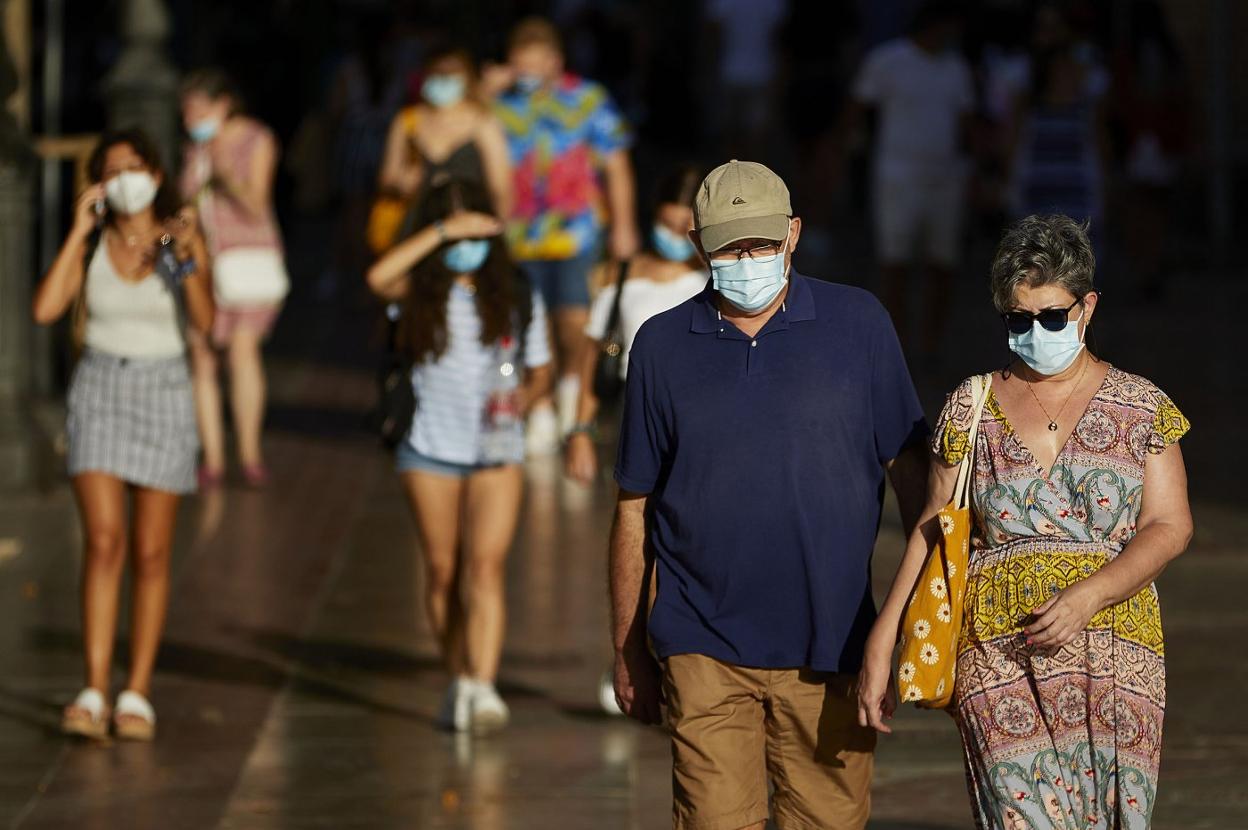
<point x="1052" y="419"/>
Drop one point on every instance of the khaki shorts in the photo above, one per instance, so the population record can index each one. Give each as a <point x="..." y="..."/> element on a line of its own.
<point x="734" y="729"/>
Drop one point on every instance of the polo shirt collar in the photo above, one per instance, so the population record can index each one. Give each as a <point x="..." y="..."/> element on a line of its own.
<point x="799" y="305"/>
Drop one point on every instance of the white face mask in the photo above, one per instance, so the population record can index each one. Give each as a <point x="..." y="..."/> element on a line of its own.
<point x="131" y="192"/>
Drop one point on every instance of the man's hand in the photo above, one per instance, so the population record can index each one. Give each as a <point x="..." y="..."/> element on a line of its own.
<point x="638" y="687"/>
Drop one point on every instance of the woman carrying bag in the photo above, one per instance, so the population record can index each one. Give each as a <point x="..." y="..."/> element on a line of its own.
<point x="1078" y="501"/>
<point x="474" y="334"/>
<point x="228" y="175"/>
<point x="663" y="276"/>
<point x="134" y="269"/>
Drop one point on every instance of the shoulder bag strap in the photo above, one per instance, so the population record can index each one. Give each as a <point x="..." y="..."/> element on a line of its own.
<point x="613" y="320"/>
<point x="962" y="489"/>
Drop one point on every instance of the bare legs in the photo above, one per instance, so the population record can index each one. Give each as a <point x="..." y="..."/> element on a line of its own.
<point x="204" y="370"/>
<point x="102" y="505"/>
<point x="247" y="394"/>
<point x="247" y="398"/>
<point x="466" y="527"/>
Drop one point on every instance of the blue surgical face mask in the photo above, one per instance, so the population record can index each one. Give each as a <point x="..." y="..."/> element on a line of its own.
<point x="466" y="255"/>
<point x="1048" y="352"/>
<point x="750" y="285"/>
<point x="528" y="83"/>
<point x="205" y="129"/>
<point x="670" y="245"/>
<point x="443" y="90"/>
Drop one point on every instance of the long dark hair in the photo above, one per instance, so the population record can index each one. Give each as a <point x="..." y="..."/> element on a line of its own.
<point x="167" y="202"/>
<point x="503" y="300"/>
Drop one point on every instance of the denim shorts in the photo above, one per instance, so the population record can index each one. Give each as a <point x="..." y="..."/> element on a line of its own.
<point x="563" y="283"/>
<point x="407" y="459"/>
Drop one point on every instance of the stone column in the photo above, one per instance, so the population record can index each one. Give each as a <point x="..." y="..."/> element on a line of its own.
<point x="17" y="161"/>
<point x="142" y="87"/>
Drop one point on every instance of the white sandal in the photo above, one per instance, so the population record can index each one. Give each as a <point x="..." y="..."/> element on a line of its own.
<point x="134" y="719"/>
<point x="86" y="716"/>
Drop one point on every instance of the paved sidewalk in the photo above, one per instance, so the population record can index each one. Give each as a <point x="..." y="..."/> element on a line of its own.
<point x="298" y="680"/>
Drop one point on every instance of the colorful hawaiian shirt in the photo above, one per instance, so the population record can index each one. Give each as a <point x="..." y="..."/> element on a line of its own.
<point x="559" y="138"/>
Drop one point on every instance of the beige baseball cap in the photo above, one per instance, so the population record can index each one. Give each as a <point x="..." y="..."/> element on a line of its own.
<point x="739" y="200"/>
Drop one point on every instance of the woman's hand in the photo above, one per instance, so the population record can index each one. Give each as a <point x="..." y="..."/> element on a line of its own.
<point x="581" y="463"/>
<point x="471" y="225"/>
<point x="1059" y="620"/>
<point x="877" y="699"/>
<point x="86" y="214"/>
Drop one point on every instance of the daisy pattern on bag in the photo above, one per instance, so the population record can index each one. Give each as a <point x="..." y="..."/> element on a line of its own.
<point x="929" y="654"/>
<point x="938" y="588"/>
<point x="905" y="672"/>
<point x="922" y="628"/>
<point x="940" y="688"/>
<point x="912" y="693"/>
<point x="952" y="567"/>
<point x="946" y="524"/>
<point x="944" y="613"/>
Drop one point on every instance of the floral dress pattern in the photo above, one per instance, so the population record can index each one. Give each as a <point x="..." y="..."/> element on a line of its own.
<point x="1069" y="738"/>
<point x="558" y="139"/>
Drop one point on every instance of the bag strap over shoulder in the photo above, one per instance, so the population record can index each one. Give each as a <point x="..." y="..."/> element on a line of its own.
<point x="981" y="386"/>
<point x="613" y="320"/>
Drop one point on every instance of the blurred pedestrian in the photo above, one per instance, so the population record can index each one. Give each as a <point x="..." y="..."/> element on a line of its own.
<point x="1060" y="144"/>
<point x="751" y="472"/>
<point x="663" y="275"/>
<point x="923" y="91"/>
<point x="1152" y="107"/>
<point x="476" y="335"/>
<point x="449" y="132"/>
<point x="365" y="93"/>
<point x="135" y="271"/>
<point x="569" y="149"/>
<point x="1078" y="502"/>
<point x="228" y="175"/>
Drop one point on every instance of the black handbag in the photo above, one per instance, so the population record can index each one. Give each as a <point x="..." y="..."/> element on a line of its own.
<point x="396" y="399"/>
<point x="608" y="385"/>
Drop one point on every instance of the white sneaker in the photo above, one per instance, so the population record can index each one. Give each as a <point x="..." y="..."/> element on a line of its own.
<point x="489" y="713"/>
<point x="606" y="695"/>
<point x="567" y="397"/>
<point x="455" y="713"/>
<point x="542" y="435"/>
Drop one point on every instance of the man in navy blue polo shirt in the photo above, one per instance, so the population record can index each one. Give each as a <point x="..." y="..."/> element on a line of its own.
<point x="761" y="420"/>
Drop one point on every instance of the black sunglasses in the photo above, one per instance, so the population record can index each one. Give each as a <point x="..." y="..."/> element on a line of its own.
<point x="1052" y="319"/>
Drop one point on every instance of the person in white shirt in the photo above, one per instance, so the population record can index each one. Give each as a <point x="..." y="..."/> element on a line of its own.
<point x="923" y="92"/>
<point x="663" y="276"/>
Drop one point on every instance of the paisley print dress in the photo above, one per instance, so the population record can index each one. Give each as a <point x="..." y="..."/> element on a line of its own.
<point x="1069" y="738"/>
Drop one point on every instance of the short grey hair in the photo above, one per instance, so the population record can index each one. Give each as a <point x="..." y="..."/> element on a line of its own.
<point x="1042" y="250"/>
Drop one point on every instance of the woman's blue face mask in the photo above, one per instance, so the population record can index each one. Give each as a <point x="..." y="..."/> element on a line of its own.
<point x="671" y="245"/>
<point x="466" y="255"/>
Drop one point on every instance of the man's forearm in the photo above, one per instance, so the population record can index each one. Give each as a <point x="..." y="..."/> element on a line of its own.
<point x="628" y="565"/>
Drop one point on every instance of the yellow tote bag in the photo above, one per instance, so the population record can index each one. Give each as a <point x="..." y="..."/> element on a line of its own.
<point x="933" y="619"/>
<point x="385" y="219"/>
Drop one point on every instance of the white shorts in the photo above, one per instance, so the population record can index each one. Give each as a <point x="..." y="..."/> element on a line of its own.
<point x="919" y="218"/>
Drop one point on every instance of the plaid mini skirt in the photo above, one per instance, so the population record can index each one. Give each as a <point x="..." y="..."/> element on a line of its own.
<point x="133" y="418"/>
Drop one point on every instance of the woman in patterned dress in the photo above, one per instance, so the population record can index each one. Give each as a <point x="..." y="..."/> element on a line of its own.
<point x="1079" y="501"/>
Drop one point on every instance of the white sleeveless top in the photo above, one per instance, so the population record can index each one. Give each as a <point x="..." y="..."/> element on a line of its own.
<point x="127" y="318"/>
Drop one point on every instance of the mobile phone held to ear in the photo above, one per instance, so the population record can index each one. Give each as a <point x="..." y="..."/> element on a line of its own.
<point x="100" y="207"/>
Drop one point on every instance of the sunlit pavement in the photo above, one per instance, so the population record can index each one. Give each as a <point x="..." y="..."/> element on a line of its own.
<point x="298" y="681"/>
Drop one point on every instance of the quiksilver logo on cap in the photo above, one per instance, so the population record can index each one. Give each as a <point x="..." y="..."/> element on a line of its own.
<point x="738" y="201"/>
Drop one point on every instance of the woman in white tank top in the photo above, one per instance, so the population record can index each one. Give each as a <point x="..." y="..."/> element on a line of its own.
<point x="663" y="276"/>
<point x="131" y="415"/>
